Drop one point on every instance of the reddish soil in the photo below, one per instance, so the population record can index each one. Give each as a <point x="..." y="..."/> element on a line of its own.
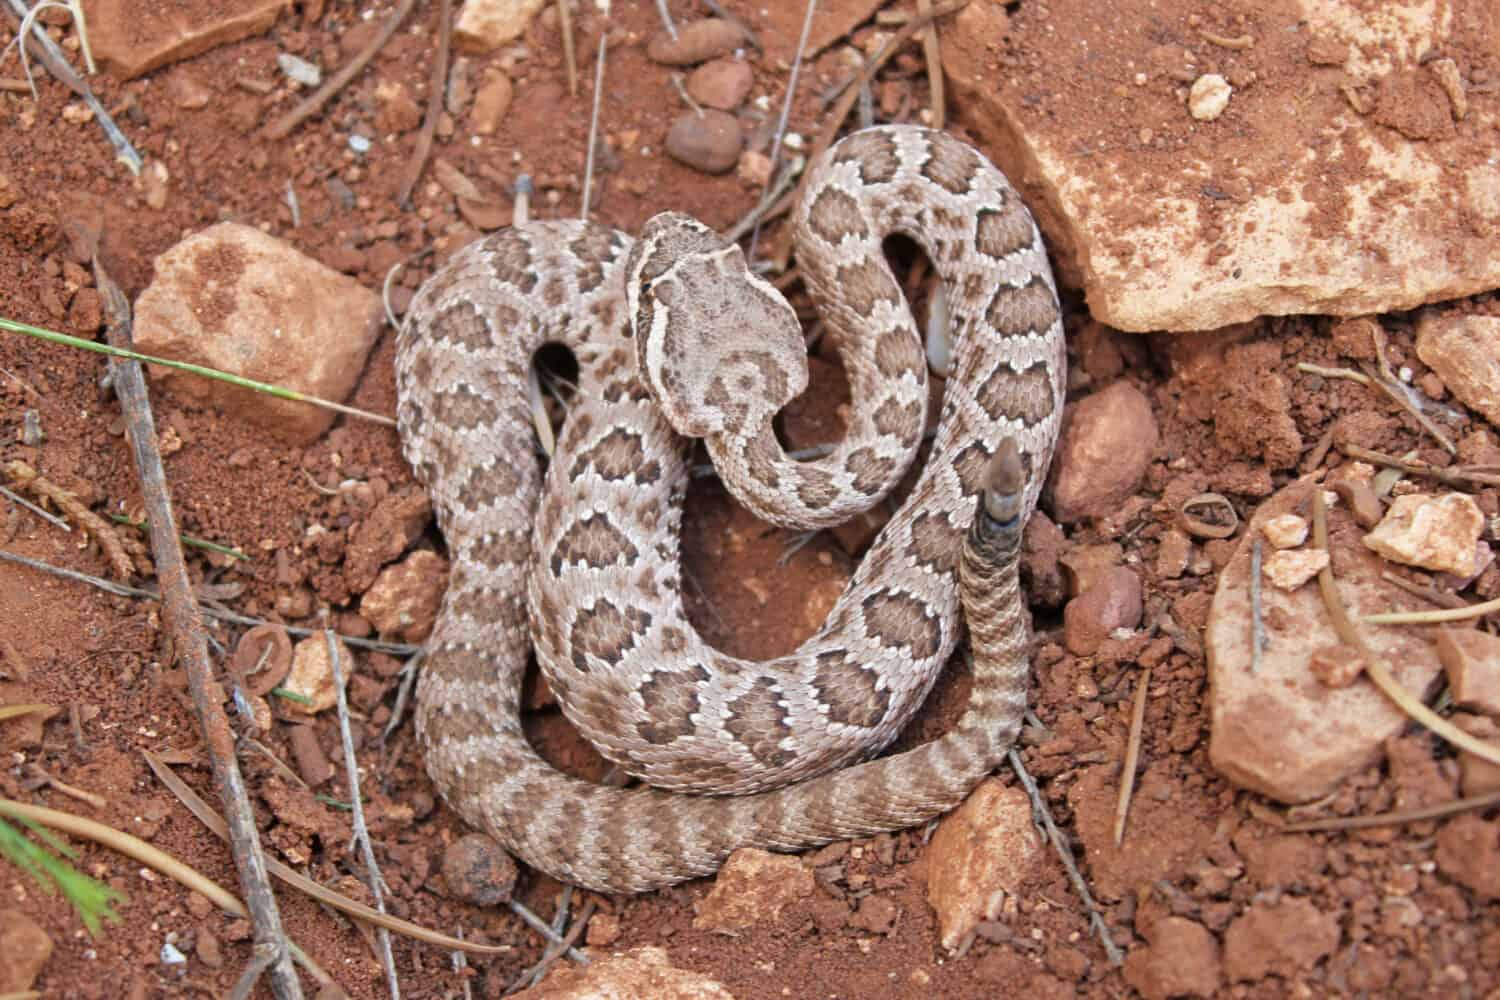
<point x="1196" y="847"/>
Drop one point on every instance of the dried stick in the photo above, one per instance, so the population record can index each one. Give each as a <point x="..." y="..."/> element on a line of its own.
<point x="141" y="593"/>
<point x="934" y="55"/>
<point x="21" y="501"/>
<point x="1377" y="670"/>
<point x="434" y="105"/>
<point x="180" y="613"/>
<point x="150" y="856"/>
<point x="1475" y="475"/>
<point x="570" y="58"/>
<point x="1395" y="818"/>
<point x="1458" y="614"/>
<point x="588" y="168"/>
<point x="282" y="128"/>
<point x="534" y="974"/>
<point x="1065" y="853"/>
<point x="302" y="883"/>
<point x="543" y="928"/>
<point x="373" y="879"/>
<point x="1425" y="593"/>
<point x="1257" y="623"/>
<point x="1399" y="395"/>
<point x="1132" y="757"/>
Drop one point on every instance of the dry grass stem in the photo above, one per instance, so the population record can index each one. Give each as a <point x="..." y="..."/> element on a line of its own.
<point x="283" y="126"/>
<point x="1132" y="756"/>
<point x="1395" y="818"/>
<point x="1065" y="854"/>
<point x="322" y="894"/>
<point x="1464" y="613"/>
<point x="932" y="51"/>
<point x="435" y="87"/>
<point x="152" y="857"/>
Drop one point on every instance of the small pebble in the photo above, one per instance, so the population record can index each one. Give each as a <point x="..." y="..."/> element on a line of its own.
<point x="1289" y="569"/>
<point x="722" y="84"/>
<point x="359" y="143"/>
<point x="1286" y="531"/>
<point x="299" y="69"/>
<point x="491" y="104"/>
<point x="709" y="142"/>
<point x="1336" y="666"/>
<point x="477" y="870"/>
<point x="696" y="42"/>
<point x="1208" y="97"/>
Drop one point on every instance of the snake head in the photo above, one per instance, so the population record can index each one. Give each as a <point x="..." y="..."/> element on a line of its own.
<point x="718" y="347"/>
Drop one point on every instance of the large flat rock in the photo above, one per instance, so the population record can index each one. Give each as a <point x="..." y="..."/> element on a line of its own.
<point x="1352" y="171"/>
<point x="133" y="37"/>
<point x="1277" y="729"/>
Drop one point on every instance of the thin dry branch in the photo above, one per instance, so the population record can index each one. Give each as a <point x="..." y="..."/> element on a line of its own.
<point x="1132" y="757"/>
<point x="310" y="106"/>
<point x="933" y="53"/>
<point x="322" y="894"/>
<point x="1395" y="818"/>
<point x="180" y="614"/>
<point x="434" y="105"/>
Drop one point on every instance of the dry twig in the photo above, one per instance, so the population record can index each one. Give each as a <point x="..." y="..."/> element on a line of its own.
<point x="1395" y="818"/>
<point x="588" y="169"/>
<point x="1480" y="475"/>
<point x="141" y="593"/>
<point x="434" y="105"/>
<point x="1132" y="757"/>
<point x="1065" y="853"/>
<point x="180" y="614"/>
<point x="283" y="126"/>
<point x="322" y="894"/>
<point x="373" y="879"/>
<point x="934" y="57"/>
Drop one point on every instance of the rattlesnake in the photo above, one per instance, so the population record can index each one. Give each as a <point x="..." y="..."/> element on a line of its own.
<point x="672" y="327"/>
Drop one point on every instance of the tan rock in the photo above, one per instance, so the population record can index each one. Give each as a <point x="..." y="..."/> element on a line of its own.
<point x="24" y="950"/>
<point x="1279" y="730"/>
<point x="641" y="974"/>
<point x="312" y="676"/>
<point x="1106" y="445"/>
<point x="709" y="142"/>
<point x="752" y="889"/>
<point x="133" y="37"/>
<point x="1182" y="959"/>
<point x="1173" y="553"/>
<point x="721" y="83"/>
<point x="1465" y="353"/>
<point x="1286" y="531"/>
<point x="1208" y="97"/>
<point x="485" y="25"/>
<point x="491" y="103"/>
<point x="983" y="850"/>
<point x="696" y="41"/>
<point x="233" y="298"/>
<point x="1471" y="660"/>
<point x="1187" y="264"/>
<point x="403" y="601"/>
<point x="1338" y="665"/>
<point x="1291" y="568"/>
<point x="1436" y="533"/>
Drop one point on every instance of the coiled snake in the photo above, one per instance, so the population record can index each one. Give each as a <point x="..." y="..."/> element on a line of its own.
<point x="673" y="335"/>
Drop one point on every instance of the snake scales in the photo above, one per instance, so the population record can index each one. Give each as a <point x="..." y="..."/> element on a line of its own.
<point x="674" y="336"/>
